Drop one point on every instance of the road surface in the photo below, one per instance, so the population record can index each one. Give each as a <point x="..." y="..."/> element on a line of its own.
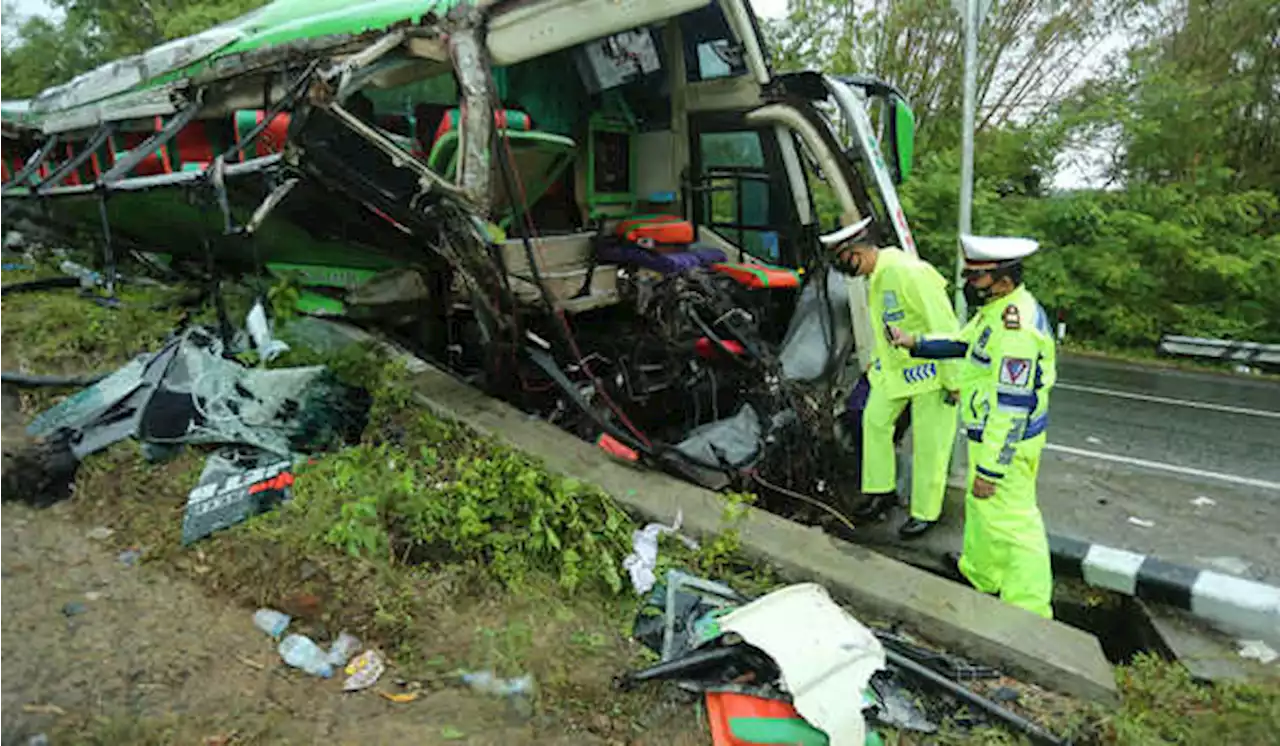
<point x="1182" y="465"/>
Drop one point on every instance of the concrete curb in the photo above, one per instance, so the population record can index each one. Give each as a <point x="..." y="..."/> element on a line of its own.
<point x="1239" y="604"/>
<point x="1041" y="651"/>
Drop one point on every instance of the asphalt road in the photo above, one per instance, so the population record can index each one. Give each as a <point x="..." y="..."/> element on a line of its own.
<point x="1182" y="465"/>
<point x="1192" y="458"/>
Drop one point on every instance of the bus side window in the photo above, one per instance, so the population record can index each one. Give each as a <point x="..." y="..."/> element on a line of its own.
<point x="739" y="196"/>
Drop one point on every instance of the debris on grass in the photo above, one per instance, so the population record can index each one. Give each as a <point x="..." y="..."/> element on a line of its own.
<point x="1258" y="650"/>
<point x="272" y="622"/>
<point x="797" y="646"/>
<point x="235" y="485"/>
<point x="364" y="671"/>
<point x="342" y="649"/>
<point x="643" y="560"/>
<point x="426" y="526"/>
<point x="301" y="652"/>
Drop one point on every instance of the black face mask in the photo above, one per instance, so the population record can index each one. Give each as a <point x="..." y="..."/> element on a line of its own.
<point x="976" y="296"/>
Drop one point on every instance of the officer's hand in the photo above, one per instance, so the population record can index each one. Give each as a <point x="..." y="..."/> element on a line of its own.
<point x="982" y="488"/>
<point x="951" y="396"/>
<point x="899" y="338"/>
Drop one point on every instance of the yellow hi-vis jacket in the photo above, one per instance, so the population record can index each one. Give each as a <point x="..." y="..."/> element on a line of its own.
<point x="1010" y="366"/>
<point x="908" y="293"/>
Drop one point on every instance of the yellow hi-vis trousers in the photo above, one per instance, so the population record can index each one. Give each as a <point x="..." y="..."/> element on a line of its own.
<point x="933" y="431"/>
<point x="1006" y="550"/>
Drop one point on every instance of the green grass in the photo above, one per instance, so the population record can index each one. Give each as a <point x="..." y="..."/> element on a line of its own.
<point x="1162" y="704"/>
<point x="451" y="550"/>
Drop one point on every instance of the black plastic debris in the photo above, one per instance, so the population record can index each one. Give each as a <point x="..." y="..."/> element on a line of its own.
<point x="951" y="666"/>
<point x="898" y="705"/>
<point x="235" y="485"/>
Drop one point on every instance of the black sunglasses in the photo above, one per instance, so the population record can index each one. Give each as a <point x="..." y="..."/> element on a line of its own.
<point x="971" y="273"/>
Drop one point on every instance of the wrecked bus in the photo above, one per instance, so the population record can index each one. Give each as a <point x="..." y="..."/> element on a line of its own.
<point x="603" y="212"/>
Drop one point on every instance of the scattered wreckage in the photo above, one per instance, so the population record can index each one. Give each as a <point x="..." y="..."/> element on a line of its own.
<point x="606" y="214"/>
<point x="766" y="679"/>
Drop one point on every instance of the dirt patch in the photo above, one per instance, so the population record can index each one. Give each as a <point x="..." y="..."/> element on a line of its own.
<point x="105" y="652"/>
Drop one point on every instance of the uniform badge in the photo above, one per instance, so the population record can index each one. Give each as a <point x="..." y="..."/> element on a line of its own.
<point x="892" y="312"/>
<point x="1015" y="371"/>
<point x="1012" y="318"/>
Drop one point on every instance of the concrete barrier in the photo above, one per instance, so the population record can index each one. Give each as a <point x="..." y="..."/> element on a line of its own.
<point x="1041" y="651"/>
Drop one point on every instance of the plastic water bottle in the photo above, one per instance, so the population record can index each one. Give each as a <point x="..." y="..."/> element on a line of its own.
<point x="487" y="683"/>
<point x="88" y="278"/>
<point x="342" y="649"/>
<point x="301" y="653"/>
<point x="271" y="621"/>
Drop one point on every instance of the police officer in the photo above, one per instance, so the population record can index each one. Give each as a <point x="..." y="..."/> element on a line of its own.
<point x="907" y="292"/>
<point x="1005" y="381"/>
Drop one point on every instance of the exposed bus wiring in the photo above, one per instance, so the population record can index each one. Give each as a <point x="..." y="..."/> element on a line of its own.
<point x="516" y="185"/>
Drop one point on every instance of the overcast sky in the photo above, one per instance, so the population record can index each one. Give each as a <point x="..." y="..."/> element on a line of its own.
<point x="27" y="7"/>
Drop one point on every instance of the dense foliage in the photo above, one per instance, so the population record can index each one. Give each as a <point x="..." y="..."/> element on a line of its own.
<point x="1179" y="231"/>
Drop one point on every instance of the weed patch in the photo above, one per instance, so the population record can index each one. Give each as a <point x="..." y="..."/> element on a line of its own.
<point x="1162" y="704"/>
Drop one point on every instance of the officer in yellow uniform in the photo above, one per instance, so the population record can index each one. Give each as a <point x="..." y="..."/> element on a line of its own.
<point x="1010" y="368"/>
<point x="907" y="292"/>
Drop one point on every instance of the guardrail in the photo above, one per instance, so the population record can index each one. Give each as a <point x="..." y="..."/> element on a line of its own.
<point x="1249" y="353"/>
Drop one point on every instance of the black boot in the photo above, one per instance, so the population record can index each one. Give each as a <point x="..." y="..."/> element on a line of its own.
<point x="875" y="506"/>
<point x="951" y="566"/>
<point x="914" y="528"/>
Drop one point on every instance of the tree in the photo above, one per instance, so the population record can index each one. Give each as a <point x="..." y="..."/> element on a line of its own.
<point x="40" y="52"/>
<point x="1200" y="101"/>
<point x="1030" y="52"/>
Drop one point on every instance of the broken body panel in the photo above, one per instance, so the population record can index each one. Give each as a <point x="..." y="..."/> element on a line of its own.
<point x="492" y="148"/>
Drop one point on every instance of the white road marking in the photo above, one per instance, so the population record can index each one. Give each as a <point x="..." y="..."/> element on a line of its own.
<point x="1166" y="400"/>
<point x="1159" y="466"/>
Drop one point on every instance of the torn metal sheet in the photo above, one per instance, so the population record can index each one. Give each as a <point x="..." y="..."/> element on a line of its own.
<point x="826" y="657"/>
<point x="188" y="392"/>
<point x="477" y="119"/>
<point x="124" y="74"/>
<point x="820" y="332"/>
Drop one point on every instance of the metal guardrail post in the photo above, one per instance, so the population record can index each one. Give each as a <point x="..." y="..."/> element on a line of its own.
<point x="1255" y="353"/>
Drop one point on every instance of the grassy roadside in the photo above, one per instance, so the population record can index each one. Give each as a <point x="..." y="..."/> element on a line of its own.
<point x="450" y="550"/>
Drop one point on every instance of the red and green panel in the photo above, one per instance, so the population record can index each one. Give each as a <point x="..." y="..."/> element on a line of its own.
<point x="760" y="276"/>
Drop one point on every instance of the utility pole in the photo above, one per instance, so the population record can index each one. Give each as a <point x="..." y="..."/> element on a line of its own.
<point x="971" y="14"/>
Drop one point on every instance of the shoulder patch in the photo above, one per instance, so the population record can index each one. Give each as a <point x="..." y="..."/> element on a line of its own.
<point x="1015" y="371"/>
<point x="1012" y="317"/>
